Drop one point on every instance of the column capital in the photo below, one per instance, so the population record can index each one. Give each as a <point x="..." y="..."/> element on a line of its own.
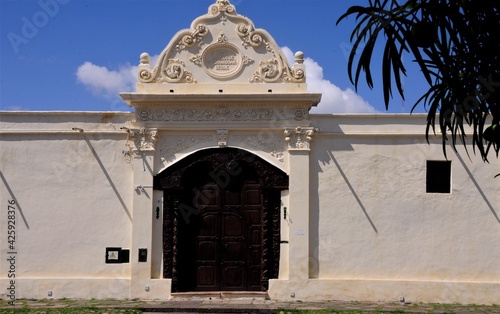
<point x="299" y="138"/>
<point x="142" y="139"/>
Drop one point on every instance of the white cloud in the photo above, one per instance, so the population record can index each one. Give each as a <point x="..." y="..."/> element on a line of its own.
<point x="104" y="82"/>
<point x="334" y="99"/>
<point x="109" y="83"/>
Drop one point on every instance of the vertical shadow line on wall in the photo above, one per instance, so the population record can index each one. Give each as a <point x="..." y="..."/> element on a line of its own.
<point x="353" y="192"/>
<point x="14" y="198"/>
<point x="108" y="177"/>
<point x="471" y="176"/>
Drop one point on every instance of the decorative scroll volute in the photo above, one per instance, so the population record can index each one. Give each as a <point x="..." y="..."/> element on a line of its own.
<point x="222" y="6"/>
<point x="142" y="139"/>
<point x="299" y="138"/>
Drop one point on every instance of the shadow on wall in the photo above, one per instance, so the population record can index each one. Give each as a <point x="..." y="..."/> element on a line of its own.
<point x="404" y="166"/>
<point x="314" y="218"/>
<point x="326" y="156"/>
<point x="106" y="174"/>
<point x="476" y="184"/>
<point x="13" y="197"/>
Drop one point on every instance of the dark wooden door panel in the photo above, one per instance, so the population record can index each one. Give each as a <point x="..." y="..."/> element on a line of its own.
<point x="206" y="277"/>
<point x="226" y="240"/>
<point x="233" y="278"/>
<point x="221" y="234"/>
<point x="207" y="251"/>
<point x="254" y="276"/>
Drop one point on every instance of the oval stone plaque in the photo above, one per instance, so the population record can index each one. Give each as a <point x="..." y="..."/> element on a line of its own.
<point x="222" y="60"/>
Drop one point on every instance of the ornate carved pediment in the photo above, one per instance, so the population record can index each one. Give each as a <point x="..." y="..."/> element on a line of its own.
<point x="221" y="46"/>
<point x="221" y="69"/>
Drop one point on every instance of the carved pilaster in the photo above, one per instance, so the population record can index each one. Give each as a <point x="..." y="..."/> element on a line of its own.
<point x="175" y="243"/>
<point x="276" y="221"/>
<point x="299" y="138"/>
<point x="266" y="241"/>
<point x="142" y="140"/>
<point x="168" y="234"/>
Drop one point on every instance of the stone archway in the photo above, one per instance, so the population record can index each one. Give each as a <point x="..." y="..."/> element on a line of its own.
<point x="221" y="221"/>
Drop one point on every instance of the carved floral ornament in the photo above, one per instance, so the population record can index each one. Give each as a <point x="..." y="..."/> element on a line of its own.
<point x="223" y="114"/>
<point x="195" y="37"/>
<point x="271" y="70"/>
<point x="142" y="139"/>
<point x="173" y="71"/>
<point x="267" y="141"/>
<point x="299" y="138"/>
<point x="222" y="6"/>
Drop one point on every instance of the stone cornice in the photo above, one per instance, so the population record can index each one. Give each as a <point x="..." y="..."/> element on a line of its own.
<point x="222" y="108"/>
<point x="133" y="99"/>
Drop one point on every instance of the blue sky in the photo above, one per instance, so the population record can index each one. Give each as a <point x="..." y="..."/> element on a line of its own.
<point x="78" y="54"/>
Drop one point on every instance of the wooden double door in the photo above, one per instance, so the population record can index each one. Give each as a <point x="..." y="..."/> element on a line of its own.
<point x="221" y="227"/>
<point x="220" y="245"/>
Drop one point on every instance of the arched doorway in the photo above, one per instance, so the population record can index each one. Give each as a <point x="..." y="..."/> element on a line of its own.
<point x="221" y="221"/>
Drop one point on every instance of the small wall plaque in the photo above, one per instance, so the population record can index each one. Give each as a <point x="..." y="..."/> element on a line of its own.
<point x="117" y="255"/>
<point x="300" y="232"/>
<point x="222" y="60"/>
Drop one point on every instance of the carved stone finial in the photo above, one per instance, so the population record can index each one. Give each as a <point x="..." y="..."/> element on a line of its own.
<point x="145" y="72"/>
<point x="145" y="58"/>
<point x="299" y="57"/>
<point x="222" y="6"/>
<point x="222" y="3"/>
<point x="299" y="138"/>
<point x="299" y="69"/>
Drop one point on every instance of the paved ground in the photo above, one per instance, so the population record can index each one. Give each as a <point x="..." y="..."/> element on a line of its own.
<point x="252" y="305"/>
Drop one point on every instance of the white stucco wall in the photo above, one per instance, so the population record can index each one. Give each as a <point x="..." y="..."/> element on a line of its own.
<point x="73" y="195"/>
<point x="371" y="218"/>
<point x="370" y="231"/>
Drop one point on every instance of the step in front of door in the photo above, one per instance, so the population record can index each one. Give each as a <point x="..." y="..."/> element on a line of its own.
<point x="221" y="295"/>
